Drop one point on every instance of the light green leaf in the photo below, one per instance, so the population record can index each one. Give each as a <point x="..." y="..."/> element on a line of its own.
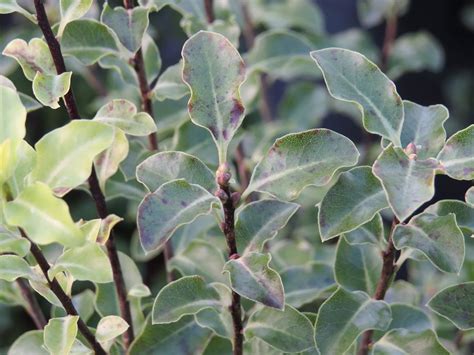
<point x="72" y="10"/>
<point x="287" y="330"/>
<point x="299" y="160"/>
<point x="29" y="103"/>
<point x="13" y="267"/>
<point x="151" y="57"/>
<point x="464" y="213"/>
<point x="353" y="201"/>
<point x="424" y="127"/>
<point x="10" y="6"/>
<point x="251" y="277"/>
<point x="123" y="114"/>
<point x="259" y="222"/>
<point x="455" y="303"/>
<point x="174" y="204"/>
<point x="32" y="339"/>
<point x="129" y="25"/>
<point x="344" y="316"/>
<point x="12" y="243"/>
<point x="369" y="233"/>
<point x="88" y="41"/>
<point x="60" y="333"/>
<point x="407" y="317"/>
<point x="357" y="267"/>
<point x="170" y="84"/>
<point x="439" y="238"/>
<point x="12" y="115"/>
<point x="470" y="196"/>
<point x="405" y="342"/>
<point x="185" y="296"/>
<point x="351" y="77"/>
<point x="214" y="71"/>
<point x="25" y="157"/>
<point x="88" y="262"/>
<point x="33" y="56"/>
<point x="407" y="181"/>
<point x="48" y="89"/>
<point x="122" y="67"/>
<point x="65" y="155"/>
<point x="457" y="156"/>
<point x="110" y="327"/>
<point x="303" y="284"/>
<point x="163" y="167"/>
<point x="8" y="159"/>
<point x="44" y="217"/>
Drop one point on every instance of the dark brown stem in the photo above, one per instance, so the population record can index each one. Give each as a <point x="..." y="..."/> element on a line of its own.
<point x="390" y="35"/>
<point x="95" y="190"/>
<point x="168" y="255"/>
<point x="62" y="296"/>
<point x="229" y="202"/>
<point x="209" y="7"/>
<point x="244" y="172"/>
<point x="386" y="276"/>
<point x="32" y="306"/>
<point x="458" y="340"/>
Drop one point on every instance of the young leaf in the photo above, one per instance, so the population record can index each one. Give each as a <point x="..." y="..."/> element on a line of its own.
<point x="353" y="200"/>
<point x="163" y="167"/>
<point x="48" y="89"/>
<point x="129" y="24"/>
<point x="174" y="204"/>
<point x="251" y="277"/>
<point x="123" y="114"/>
<point x="170" y="84"/>
<point x="299" y="160"/>
<point x="305" y="283"/>
<point x="13" y="267"/>
<point x="12" y="115"/>
<point x="470" y="196"/>
<point x="424" y="127"/>
<point x="439" y="238"/>
<point x="408" y="182"/>
<point x="109" y="328"/>
<point x="455" y="303"/>
<point x="60" y="333"/>
<point x="185" y="296"/>
<point x="214" y="71"/>
<point x="351" y="77"/>
<point x="464" y="213"/>
<point x="409" y="342"/>
<point x="457" y="156"/>
<point x="344" y="316"/>
<point x="65" y="155"/>
<point x="287" y="330"/>
<point x="369" y="233"/>
<point x="72" y="10"/>
<point x="259" y="222"/>
<point x="44" y="217"/>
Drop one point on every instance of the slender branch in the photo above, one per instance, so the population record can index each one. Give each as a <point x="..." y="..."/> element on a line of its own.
<point x="95" y="190"/>
<point x="390" y="36"/>
<point x="388" y="271"/>
<point x="62" y="296"/>
<point x="244" y="172"/>
<point x="209" y="7"/>
<point x="168" y="255"/>
<point x="32" y="306"/>
<point x="229" y="202"/>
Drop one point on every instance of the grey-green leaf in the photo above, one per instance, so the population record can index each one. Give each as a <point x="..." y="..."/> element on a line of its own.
<point x="406" y="342"/>
<point x="464" y="213"/>
<point x="470" y="196"/>
<point x="170" y="84"/>
<point x="371" y="232"/>
<point x="457" y="156"/>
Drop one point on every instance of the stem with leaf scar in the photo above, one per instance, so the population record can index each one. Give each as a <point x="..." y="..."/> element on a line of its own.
<point x="94" y="187"/>
<point x="229" y="202"/>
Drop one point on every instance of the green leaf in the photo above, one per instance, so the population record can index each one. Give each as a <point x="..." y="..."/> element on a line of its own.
<point x="163" y="167"/>
<point x="403" y="292"/>
<point x="369" y="233"/>
<point x="407" y="181"/>
<point x="251" y="277"/>
<point x="88" y="262"/>
<point x="439" y="238"/>
<point x="351" y="77"/>
<point x="185" y="296"/>
<point x="33" y="56"/>
<point x="402" y="341"/>
<point x="424" y="127"/>
<point x="214" y="71"/>
<point x="48" y="89"/>
<point x="259" y="222"/>
<point x="170" y="84"/>
<point x="372" y="12"/>
<point x="287" y="330"/>
<point x="182" y="337"/>
<point x="25" y="157"/>
<point x="151" y="57"/>
<point x="457" y="156"/>
<point x="414" y="52"/>
<point x="129" y="24"/>
<point x="44" y="217"/>
<point x="83" y="302"/>
<point x="357" y="267"/>
<point x="13" y="267"/>
<point x="407" y="317"/>
<point x="32" y="339"/>
<point x="10" y="6"/>
<point x="351" y="202"/>
<point x="357" y="40"/>
<point x="299" y="160"/>
<point x="65" y="155"/>
<point x="109" y="328"/>
<point x="60" y="333"/>
<point x="123" y="114"/>
<point x="12" y="115"/>
<point x="13" y="243"/>
<point x="29" y="103"/>
<point x="344" y="316"/>
<point x="464" y="213"/>
<point x="174" y="204"/>
<point x="303" y="284"/>
<point x="470" y="196"/>
<point x="88" y="41"/>
<point x="72" y="10"/>
<point x="455" y="304"/>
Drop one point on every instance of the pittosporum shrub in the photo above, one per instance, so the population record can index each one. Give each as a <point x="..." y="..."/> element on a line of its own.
<point x="270" y="248"/>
